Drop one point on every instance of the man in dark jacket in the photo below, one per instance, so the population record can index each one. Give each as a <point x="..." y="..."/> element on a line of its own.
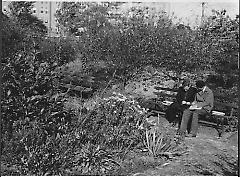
<point x="203" y="104"/>
<point x="185" y="96"/>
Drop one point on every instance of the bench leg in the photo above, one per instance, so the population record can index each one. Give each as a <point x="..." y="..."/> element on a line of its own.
<point x="220" y="126"/>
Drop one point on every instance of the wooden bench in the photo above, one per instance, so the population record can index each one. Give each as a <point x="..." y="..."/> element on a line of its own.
<point x="71" y="87"/>
<point x="218" y="118"/>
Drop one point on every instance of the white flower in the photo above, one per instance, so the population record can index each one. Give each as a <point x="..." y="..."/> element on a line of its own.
<point x="121" y="99"/>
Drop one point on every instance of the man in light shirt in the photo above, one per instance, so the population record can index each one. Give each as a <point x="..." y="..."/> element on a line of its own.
<point x="202" y="105"/>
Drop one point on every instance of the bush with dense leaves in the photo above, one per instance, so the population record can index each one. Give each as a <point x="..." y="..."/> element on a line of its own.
<point x="134" y="41"/>
<point x="32" y="109"/>
<point x="113" y="121"/>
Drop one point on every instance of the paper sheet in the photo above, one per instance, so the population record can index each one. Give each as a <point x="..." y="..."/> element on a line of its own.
<point x="194" y="107"/>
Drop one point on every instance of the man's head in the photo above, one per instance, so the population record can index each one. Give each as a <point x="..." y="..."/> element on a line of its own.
<point x="186" y="84"/>
<point x="200" y="85"/>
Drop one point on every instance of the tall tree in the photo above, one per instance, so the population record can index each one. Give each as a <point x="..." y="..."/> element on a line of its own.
<point x="223" y="32"/>
<point x="75" y="17"/>
<point x="21" y="12"/>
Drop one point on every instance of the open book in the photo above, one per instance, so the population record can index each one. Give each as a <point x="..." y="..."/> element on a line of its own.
<point x="194" y="107"/>
<point x="167" y="102"/>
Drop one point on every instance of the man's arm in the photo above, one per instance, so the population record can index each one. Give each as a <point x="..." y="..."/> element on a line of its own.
<point x="180" y="95"/>
<point x="208" y="101"/>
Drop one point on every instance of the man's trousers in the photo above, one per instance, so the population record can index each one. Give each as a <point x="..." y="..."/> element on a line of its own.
<point x="187" y="114"/>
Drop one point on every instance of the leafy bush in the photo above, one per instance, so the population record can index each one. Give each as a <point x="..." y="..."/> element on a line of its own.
<point x="93" y="160"/>
<point x="232" y="124"/>
<point x="60" y="50"/>
<point x="32" y="110"/>
<point x="114" y="121"/>
<point x="132" y="40"/>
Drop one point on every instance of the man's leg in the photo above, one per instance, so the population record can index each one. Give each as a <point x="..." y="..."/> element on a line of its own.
<point x="185" y="118"/>
<point x="171" y="112"/>
<point x="189" y="125"/>
<point x="194" y="127"/>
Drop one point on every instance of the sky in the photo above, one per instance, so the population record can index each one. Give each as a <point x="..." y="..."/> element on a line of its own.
<point x="190" y="11"/>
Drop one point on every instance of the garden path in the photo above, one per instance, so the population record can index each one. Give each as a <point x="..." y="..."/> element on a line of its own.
<point x="206" y="155"/>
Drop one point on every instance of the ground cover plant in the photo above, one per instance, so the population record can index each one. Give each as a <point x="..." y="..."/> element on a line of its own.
<point x="42" y="134"/>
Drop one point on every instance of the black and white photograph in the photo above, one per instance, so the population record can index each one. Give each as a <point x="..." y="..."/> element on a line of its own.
<point x="120" y="88"/>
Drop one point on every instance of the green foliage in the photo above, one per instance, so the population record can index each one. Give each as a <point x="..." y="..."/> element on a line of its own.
<point x="93" y="160"/>
<point x="160" y="144"/>
<point x="82" y="16"/>
<point x="36" y="153"/>
<point x="138" y="38"/>
<point x="28" y="87"/>
<point x="21" y="12"/>
<point x="12" y="36"/>
<point x="115" y="122"/>
<point x="41" y="137"/>
<point x="59" y="50"/>
<point x="222" y="34"/>
<point x="232" y="124"/>
<point x="20" y="27"/>
<point x="32" y="114"/>
<point x="55" y="143"/>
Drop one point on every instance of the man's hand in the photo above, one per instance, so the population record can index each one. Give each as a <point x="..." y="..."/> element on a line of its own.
<point x="187" y="103"/>
<point x="184" y="102"/>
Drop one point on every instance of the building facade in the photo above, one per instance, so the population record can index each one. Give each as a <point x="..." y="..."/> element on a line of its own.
<point x="45" y="10"/>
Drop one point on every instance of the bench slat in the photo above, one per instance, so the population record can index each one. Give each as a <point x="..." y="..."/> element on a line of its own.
<point x="217" y="113"/>
<point x="164" y="94"/>
<point x="207" y="122"/>
<point x="166" y="89"/>
<point x="76" y="88"/>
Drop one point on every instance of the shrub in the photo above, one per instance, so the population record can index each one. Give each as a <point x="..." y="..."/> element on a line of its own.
<point x="32" y="113"/>
<point x="60" y="50"/>
<point x="161" y="144"/>
<point x="35" y="152"/>
<point x="114" y="121"/>
<point x="93" y="160"/>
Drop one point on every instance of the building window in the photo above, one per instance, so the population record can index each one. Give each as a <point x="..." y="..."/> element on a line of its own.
<point x="34" y="10"/>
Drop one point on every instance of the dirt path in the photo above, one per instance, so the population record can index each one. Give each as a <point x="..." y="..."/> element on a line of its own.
<point x="206" y="155"/>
